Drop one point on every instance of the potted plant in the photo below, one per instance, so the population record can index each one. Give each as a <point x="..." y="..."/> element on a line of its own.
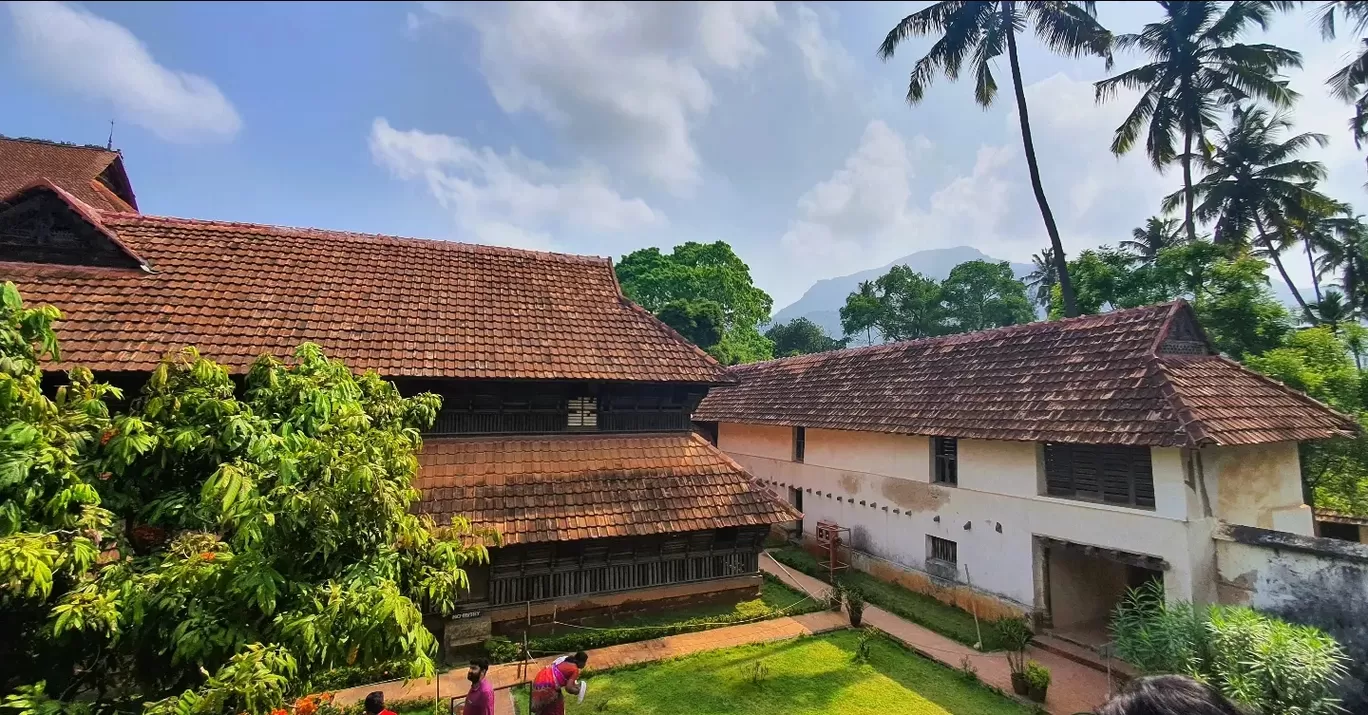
<point x="1015" y="635"/>
<point x="1038" y="680"/>
<point x="855" y="604"/>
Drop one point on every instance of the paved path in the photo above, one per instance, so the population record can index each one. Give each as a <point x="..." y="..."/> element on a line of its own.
<point x="1074" y="688"/>
<point x="509" y="675"/>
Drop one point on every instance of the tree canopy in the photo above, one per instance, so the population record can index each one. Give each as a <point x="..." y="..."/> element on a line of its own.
<point x="801" y="336"/>
<point x="255" y="536"/>
<point x="904" y="305"/>
<point x="694" y="272"/>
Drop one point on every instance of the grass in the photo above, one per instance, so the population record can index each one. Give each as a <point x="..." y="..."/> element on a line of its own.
<point x="774" y="597"/>
<point x="953" y="623"/>
<point x="816" y="675"/>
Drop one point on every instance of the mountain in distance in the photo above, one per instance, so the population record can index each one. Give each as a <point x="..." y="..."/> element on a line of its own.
<point x="823" y="301"/>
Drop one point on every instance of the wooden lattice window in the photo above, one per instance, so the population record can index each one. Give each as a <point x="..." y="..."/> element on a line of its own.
<point x="583" y="413"/>
<point x="945" y="451"/>
<point x="1109" y="474"/>
<point x="799" y="443"/>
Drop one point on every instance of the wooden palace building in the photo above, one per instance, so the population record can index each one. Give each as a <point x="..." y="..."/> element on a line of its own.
<point x="566" y="416"/>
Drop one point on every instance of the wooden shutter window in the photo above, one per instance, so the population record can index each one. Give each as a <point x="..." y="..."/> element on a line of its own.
<point x="1109" y="474"/>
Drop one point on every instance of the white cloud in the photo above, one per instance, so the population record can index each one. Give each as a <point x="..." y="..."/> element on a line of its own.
<point x="101" y="60"/>
<point x="506" y="199"/>
<point x="627" y="81"/>
<point x="825" y="60"/>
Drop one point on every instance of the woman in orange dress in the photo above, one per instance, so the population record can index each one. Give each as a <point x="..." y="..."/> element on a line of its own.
<point x="548" y="688"/>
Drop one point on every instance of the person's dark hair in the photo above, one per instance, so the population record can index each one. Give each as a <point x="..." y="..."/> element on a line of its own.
<point x="375" y="702"/>
<point x="581" y="658"/>
<point x="481" y="663"/>
<point x="1169" y="695"/>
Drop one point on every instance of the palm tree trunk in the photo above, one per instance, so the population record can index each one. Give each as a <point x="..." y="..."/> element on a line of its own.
<point x="1189" y="196"/>
<point x="1061" y="264"/>
<point x="1315" y="277"/>
<point x="1277" y="261"/>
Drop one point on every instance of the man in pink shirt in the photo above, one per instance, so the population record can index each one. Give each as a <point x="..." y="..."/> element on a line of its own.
<point x="480" y="699"/>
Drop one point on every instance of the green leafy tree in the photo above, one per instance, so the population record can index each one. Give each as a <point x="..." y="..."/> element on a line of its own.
<point x="911" y="305"/>
<point x="263" y="532"/>
<point x="980" y="295"/>
<point x="861" y="312"/>
<point x="51" y="517"/>
<point x="1251" y="178"/>
<point x="1233" y="303"/>
<point x="801" y="336"/>
<point x="700" y="321"/>
<point x="1315" y="361"/>
<point x="1342" y="244"/>
<point x="1196" y="68"/>
<point x="980" y="32"/>
<point x="703" y="272"/>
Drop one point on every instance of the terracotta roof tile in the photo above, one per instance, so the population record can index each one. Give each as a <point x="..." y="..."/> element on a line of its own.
<point x="569" y="487"/>
<point x="399" y="306"/>
<point x="1096" y="379"/>
<point x="74" y="168"/>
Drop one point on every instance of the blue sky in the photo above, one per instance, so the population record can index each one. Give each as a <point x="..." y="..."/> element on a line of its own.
<point x="598" y="128"/>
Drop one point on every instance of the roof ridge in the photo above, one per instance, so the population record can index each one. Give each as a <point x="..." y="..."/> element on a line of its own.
<point x="1006" y="329"/>
<point x="309" y="231"/>
<point x="58" y="144"/>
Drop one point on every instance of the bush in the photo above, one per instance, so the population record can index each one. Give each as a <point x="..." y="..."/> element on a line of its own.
<point x="1037" y="675"/>
<point x="855" y="604"/>
<point x="1259" y="661"/>
<point x="1014" y="635"/>
<point x="502" y="650"/>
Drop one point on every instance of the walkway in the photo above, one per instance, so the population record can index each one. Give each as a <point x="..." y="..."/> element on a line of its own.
<point x="508" y="675"/>
<point x="1074" y="688"/>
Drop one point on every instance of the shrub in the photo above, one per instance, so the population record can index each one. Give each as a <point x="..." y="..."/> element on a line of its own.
<point x="1259" y="661"/>
<point x="1014" y="635"/>
<point x="502" y="650"/>
<point x="855" y="604"/>
<point x="1037" y="675"/>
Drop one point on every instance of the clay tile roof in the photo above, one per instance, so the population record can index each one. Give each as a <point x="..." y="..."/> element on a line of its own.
<point x="567" y="487"/>
<point x="74" y="168"/>
<point x="399" y="306"/>
<point x="1103" y="379"/>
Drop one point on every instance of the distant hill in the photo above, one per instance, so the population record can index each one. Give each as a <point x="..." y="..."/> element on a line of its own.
<point x="822" y="302"/>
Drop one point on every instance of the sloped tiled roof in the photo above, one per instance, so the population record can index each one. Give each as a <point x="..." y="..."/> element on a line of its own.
<point x="399" y="306"/>
<point x="74" y="168"/>
<point x="1099" y="379"/>
<point x="568" y="487"/>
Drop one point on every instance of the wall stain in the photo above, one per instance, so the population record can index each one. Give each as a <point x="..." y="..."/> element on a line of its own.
<point x="913" y="496"/>
<point x="850" y="483"/>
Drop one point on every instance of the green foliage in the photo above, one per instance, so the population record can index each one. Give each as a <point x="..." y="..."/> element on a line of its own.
<point x="776" y="600"/>
<point x="943" y="618"/>
<point x="697" y="272"/>
<point x="1037" y="675"/>
<point x="904" y="305"/>
<point x="1014" y="635"/>
<point x="700" y="321"/>
<point x="854" y="603"/>
<point x="1256" y="660"/>
<point x="1314" y="361"/>
<point x="801" y="336"/>
<point x="980" y="295"/>
<point x="263" y="531"/>
<point x="807" y="676"/>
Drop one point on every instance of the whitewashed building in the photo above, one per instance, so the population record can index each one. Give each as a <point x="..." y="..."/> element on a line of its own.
<point x="1040" y="468"/>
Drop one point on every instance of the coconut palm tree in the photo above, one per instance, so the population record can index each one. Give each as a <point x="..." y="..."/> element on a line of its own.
<point x="1157" y="234"/>
<point x="1042" y="279"/>
<point x="979" y="32"/>
<point x="1251" y="177"/>
<point x="1344" y="251"/>
<point x="1350" y="82"/>
<point x="1315" y="221"/>
<point x="1196" y="69"/>
<point x="1332" y="310"/>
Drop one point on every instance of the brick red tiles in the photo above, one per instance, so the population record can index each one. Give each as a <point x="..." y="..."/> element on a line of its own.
<point x="1098" y="379"/>
<point x="399" y="306"/>
<point x="74" y="168"/>
<point x="567" y="487"/>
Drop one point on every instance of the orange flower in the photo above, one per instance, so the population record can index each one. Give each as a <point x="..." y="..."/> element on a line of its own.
<point x="280" y="711"/>
<point x="107" y="435"/>
<point x="208" y="556"/>
<point x="305" y="706"/>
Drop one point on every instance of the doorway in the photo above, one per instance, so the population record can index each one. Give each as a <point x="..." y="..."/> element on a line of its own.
<point x="1082" y="586"/>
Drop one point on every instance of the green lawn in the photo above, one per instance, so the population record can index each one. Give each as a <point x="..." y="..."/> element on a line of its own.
<point x="806" y="676"/>
<point x="943" y="618"/>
